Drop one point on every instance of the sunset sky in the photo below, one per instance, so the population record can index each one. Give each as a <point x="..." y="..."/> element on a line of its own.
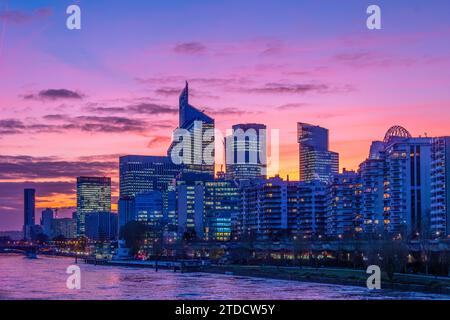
<point x="72" y="102"/>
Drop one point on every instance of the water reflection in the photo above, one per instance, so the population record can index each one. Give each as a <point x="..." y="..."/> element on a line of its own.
<point x="45" y="278"/>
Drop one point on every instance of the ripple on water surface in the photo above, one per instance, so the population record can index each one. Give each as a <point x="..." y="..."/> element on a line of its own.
<point x="45" y="278"/>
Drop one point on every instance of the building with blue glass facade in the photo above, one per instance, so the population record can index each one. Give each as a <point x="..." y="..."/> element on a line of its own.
<point x="316" y="162"/>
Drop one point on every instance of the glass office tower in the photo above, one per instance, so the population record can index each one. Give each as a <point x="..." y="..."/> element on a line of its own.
<point x="93" y="195"/>
<point x="246" y="152"/>
<point x="316" y="162"/>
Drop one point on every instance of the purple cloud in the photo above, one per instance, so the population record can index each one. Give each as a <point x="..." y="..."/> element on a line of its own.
<point x="54" y="94"/>
<point x="190" y="48"/>
<point x="144" y="108"/>
<point x="280" y="88"/>
<point x="29" y="168"/>
<point x="106" y="124"/>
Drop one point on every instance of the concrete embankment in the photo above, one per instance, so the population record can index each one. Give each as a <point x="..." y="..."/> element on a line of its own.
<point x="181" y="265"/>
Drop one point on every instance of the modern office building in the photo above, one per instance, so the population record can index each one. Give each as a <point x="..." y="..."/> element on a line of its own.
<point x="149" y="209"/>
<point x="345" y="206"/>
<point x="440" y="188"/>
<point x="29" y="203"/>
<point x="190" y="204"/>
<point x="157" y="210"/>
<point x="93" y="195"/>
<point x="206" y="207"/>
<point x="101" y="226"/>
<point x="221" y="207"/>
<point x="47" y="217"/>
<point x="316" y="162"/>
<point x="193" y="140"/>
<point x="145" y="173"/>
<point x="142" y="174"/>
<point x="246" y="152"/>
<point x="170" y="212"/>
<point x="127" y="210"/>
<point x="64" y="227"/>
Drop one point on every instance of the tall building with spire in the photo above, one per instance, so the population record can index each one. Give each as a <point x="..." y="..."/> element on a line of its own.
<point x="193" y="140"/>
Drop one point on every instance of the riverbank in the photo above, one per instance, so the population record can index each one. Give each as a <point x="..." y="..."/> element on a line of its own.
<point x="338" y="276"/>
<point x="402" y="282"/>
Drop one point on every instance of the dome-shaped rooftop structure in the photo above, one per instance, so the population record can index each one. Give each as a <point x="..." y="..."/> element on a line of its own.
<point x="396" y="132"/>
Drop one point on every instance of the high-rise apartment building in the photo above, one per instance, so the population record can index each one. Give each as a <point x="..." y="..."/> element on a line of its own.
<point x="440" y="188"/>
<point x="401" y="166"/>
<point x="345" y="205"/>
<point x="372" y="172"/>
<point x="274" y="209"/>
<point x="407" y="183"/>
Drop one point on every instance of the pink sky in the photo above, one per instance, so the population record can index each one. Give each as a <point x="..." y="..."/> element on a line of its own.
<point x="69" y="98"/>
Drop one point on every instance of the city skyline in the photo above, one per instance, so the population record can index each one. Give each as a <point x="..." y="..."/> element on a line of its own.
<point x="105" y="105"/>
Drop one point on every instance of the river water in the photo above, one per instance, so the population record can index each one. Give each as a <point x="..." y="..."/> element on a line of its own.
<point x="45" y="278"/>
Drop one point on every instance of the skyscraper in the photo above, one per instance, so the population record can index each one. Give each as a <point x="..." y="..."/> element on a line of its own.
<point x="46" y="221"/>
<point x="29" y="211"/>
<point x="246" y="151"/>
<point x="141" y="174"/>
<point x="93" y="195"/>
<point x="195" y="135"/>
<point x="145" y="173"/>
<point x="316" y="162"/>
